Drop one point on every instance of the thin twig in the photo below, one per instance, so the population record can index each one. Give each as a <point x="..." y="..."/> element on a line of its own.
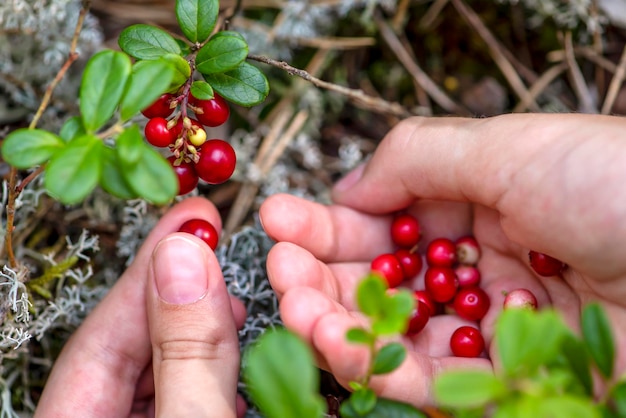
<point x="541" y="84"/>
<point x="578" y="81"/>
<point x="358" y="96"/>
<point x="616" y="84"/>
<point x="432" y="13"/>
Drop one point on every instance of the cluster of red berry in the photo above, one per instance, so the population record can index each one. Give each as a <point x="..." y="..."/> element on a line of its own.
<point x="193" y="156"/>
<point x="451" y="280"/>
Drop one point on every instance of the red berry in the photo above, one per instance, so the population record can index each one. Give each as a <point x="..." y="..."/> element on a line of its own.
<point x="160" y="108"/>
<point x="467" y="341"/>
<point x="520" y="298"/>
<point x="201" y="229"/>
<point x="441" y="283"/>
<point x="545" y="265"/>
<point x="388" y="266"/>
<point x="411" y="262"/>
<point x="426" y="299"/>
<point x="471" y="303"/>
<point x="467" y="250"/>
<point x="405" y="231"/>
<point x="418" y="319"/>
<point x="441" y="252"/>
<point x="215" y="111"/>
<point x="217" y="161"/>
<point x="187" y="177"/>
<point x="157" y="133"/>
<point x="467" y="276"/>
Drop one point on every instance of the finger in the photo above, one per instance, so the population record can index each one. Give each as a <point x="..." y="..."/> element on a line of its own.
<point x="193" y="331"/>
<point x="526" y="166"/>
<point x="96" y="373"/>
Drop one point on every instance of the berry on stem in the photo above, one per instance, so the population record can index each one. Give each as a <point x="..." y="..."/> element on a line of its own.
<point x="187" y="176"/>
<point x="157" y="134"/>
<point x="441" y="283"/>
<point x="471" y="303"/>
<point x="160" y="107"/>
<point x="467" y="341"/>
<point x="389" y="267"/>
<point x="197" y="136"/>
<point x="441" y="252"/>
<point x="201" y="229"/>
<point x="545" y="265"/>
<point x="217" y="161"/>
<point x="405" y="231"/>
<point x="213" y="112"/>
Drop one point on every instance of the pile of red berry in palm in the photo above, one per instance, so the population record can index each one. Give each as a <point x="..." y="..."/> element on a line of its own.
<point x="193" y="156"/>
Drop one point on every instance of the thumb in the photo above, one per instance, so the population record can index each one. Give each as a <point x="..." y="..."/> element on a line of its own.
<point x="192" y="330"/>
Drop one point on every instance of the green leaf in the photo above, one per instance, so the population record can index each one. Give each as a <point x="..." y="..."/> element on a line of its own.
<point x="112" y="179"/>
<point x="148" y="81"/>
<point x="617" y="398"/>
<point x="102" y="87"/>
<point x="370" y="295"/>
<point x="151" y="176"/>
<point x="527" y="339"/>
<point x="363" y="401"/>
<point x="26" y="148"/>
<point x="72" y="128"/>
<point x="468" y="388"/>
<point x="389" y="358"/>
<point x="360" y="336"/>
<point x="130" y="145"/>
<point x="245" y="85"/>
<point x="197" y="18"/>
<point x="385" y="408"/>
<point x="567" y="406"/>
<point x="598" y="338"/>
<point x="576" y="359"/>
<point x="394" y="315"/>
<point x="224" y="51"/>
<point x="74" y="172"/>
<point x="182" y="71"/>
<point x="146" y="42"/>
<point x="202" y="90"/>
<point x="281" y="377"/>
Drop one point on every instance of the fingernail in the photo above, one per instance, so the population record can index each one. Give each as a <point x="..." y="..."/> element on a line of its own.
<point x="351" y="179"/>
<point x="180" y="270"/>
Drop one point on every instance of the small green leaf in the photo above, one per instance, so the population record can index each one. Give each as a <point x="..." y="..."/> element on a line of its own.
<point x="370" y="295"/>
<point x="72" y="128"/>
<point x="389" y="358"/>
<point x="281" y="377"/>
<point x="148" y="81"/>
<point x="394" y="314"/>
<point x="576" y="358"/>
<point x="182" y="71"/>
<point x="567" y="406"/>
<point x="74" y="172"/>
<point x="146" y="42"/>
<point x="151" y="176"/>
<point x="360" y="336"/>
<point x="197" y="18"/>
<point x="202" y="90"/>
<point x="363" y="401"/>
<point x="112" y="180"/>
<point x="26" y="148"/>
<point x="385" y="408"/>
<point x="224" y="51"/>
<point x="245" y="85"/>
<point x="130" y="145"/>
<point x="598" y="338"/>
<point x="102" y="87"/>
<point x="468" y="388"/>
<point x="617" y="398"/>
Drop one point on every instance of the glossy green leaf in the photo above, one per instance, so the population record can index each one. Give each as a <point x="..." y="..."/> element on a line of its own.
<point x="26" y="148"/>
<point x="389" y="358"/>
<point x="394" y="315"/>
<point x="384" y="408"/>
<point x="281" y="377"/>
<point x="617" y="398"/>
<point x="468" y="388"/>
<point x="73" y="173"/>
<point x="148" y="81"/>
<point x="130" y="145"/>
<point x="112" y="179"/>
<point x="245" y="85"/>
<point x="202" y="90"/>
<point x="567" y="406"/>
<point x="102" y="87"/>
<point x="72" y="128"/>
<point x="224" y="51"/>
<point x="182" y="71"/>
<point x="598" y="338"/>
<point x="146" y="42"/>
<point x="151" y="176"/>
<point x="360" y="336"/>
<point x="197" y="18"/>
<point x="363" y="401"/>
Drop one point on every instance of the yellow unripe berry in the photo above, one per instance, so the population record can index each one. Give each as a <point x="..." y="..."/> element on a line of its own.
<point x="197" y="136"/>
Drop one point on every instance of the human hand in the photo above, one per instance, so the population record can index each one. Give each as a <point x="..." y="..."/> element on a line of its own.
<point x="139" y="354"/>
<point x="551" y="183"/>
